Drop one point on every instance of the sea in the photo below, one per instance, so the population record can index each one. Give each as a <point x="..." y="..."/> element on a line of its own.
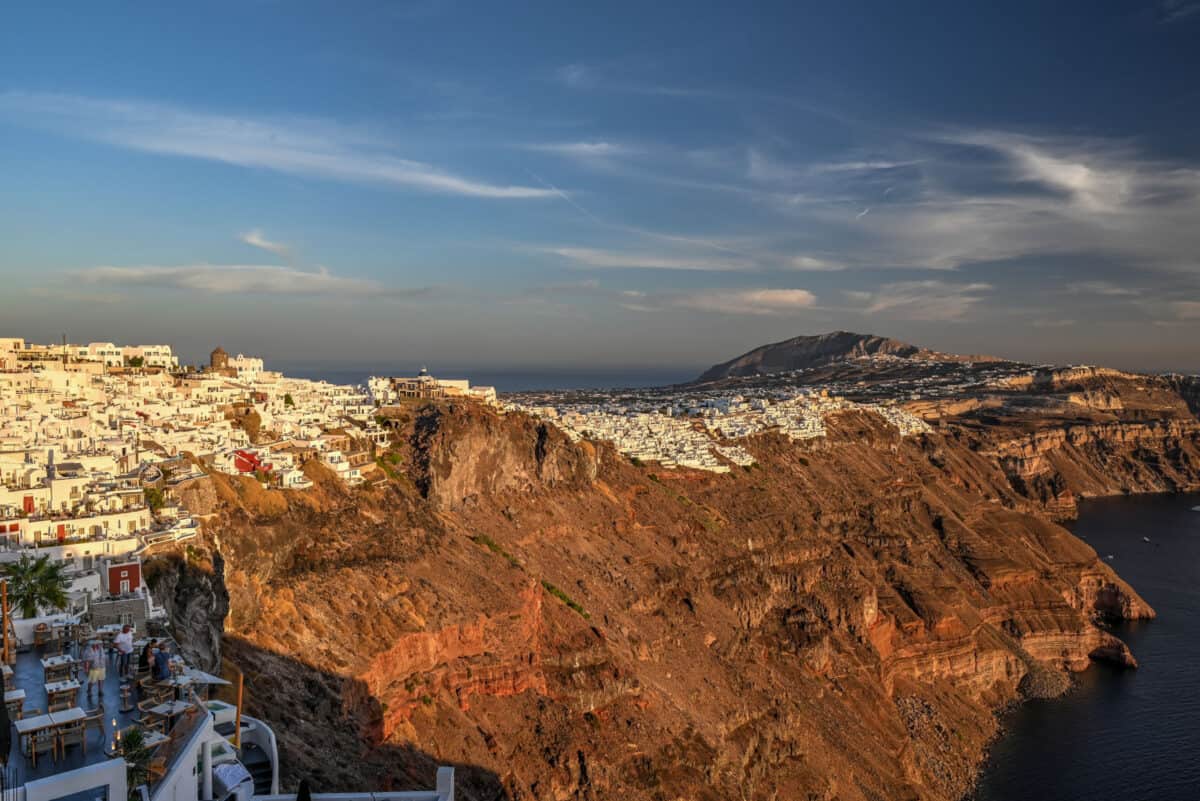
<point x="516" y="379"/>
<point x="1121" y="734"/>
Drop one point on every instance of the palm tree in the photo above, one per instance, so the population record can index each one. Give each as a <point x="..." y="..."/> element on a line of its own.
<point x="35" y="584"/>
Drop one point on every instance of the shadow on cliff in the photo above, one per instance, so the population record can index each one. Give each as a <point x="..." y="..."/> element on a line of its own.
<point x="325" y="727"/>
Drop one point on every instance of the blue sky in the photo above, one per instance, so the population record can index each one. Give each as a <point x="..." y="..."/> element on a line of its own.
<point x="546" y="184"/>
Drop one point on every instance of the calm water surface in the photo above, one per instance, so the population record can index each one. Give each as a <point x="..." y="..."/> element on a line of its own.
<point x="1122" y="734"/>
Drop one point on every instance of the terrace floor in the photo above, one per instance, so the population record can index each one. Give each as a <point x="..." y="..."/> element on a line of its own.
<point x="28" y="675"/>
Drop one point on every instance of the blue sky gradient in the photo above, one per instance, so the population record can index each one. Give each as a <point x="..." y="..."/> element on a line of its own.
<point x="626" y="185"/>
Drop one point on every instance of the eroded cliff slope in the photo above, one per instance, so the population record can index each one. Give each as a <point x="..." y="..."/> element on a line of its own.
<point x="840" y="620"/>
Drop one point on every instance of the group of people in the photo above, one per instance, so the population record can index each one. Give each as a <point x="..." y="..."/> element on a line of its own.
<point x="154" y="658"/>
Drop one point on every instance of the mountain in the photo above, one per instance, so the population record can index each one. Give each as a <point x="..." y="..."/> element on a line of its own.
<point x="800" y="352"/>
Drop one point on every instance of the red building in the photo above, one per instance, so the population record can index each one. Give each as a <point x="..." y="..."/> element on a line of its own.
<point x="125" y="577"/>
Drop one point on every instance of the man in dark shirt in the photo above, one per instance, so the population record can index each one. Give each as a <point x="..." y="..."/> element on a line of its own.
<point x="162" y="664"/>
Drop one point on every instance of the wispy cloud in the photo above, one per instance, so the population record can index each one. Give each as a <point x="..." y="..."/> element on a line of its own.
<point x="814" y="264"/>
<point x="922" y="300"/>
<point x="1103" y="288"/>
<point x="1176" y="10"/>
<point x="257" y="239"/>
<point x="988" y="196"/>
<point x="583" y="150"/>
<point x="747" y="301"/>
<point x="258" y="279"/>
<point x="305" y="147"/>
<point x="622" y="260"/>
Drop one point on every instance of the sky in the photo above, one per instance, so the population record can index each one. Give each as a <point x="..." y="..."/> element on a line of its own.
<point x="607" y="185"/>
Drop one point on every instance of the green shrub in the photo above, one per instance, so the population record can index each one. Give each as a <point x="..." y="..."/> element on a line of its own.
<point x="570" y="602"/>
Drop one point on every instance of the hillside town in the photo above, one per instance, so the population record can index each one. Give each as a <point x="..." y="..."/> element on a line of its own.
<point x="98" y="443"/>
<point x="698" y="430"/>
<point x="97" y="439"/>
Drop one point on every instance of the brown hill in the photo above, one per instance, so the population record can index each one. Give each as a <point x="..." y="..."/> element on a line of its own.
<point x="802" y="352"/>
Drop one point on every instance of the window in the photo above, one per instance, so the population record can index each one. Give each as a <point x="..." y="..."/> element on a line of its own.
<point x="124" y="591"/>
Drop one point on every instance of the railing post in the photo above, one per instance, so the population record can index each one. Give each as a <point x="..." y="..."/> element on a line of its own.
<point x="206" y="777"/>
<point x="445" y="783"/>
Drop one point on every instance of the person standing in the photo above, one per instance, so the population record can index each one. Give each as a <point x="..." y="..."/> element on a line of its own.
<point x="94" y="664"/>
<point x="124" y="644"/>
<point x="162" y="663"/>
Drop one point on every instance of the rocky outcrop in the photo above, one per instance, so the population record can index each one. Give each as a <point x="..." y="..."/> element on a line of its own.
<point x="194" y="596"/>
<point x="463" y="452"/>
<point x="1102" y="459"/>
<point x="839" y="621"/>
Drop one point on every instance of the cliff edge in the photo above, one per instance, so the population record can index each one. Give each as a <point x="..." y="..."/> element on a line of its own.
<point x="840" y="620"/>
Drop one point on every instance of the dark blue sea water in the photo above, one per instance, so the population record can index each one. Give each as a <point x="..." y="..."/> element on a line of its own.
<point x="1122" y="734"/>
<point x="517" y="379"/>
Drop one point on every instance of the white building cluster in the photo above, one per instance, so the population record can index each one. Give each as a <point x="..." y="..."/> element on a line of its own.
<point x="386" y="390"/>
<point x="80" y="444"/>
<point x="700" y="432"/>
<point x="14" y="351"/>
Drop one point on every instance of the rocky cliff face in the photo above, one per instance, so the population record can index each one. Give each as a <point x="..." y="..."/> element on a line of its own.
<point x="839" y="621"/>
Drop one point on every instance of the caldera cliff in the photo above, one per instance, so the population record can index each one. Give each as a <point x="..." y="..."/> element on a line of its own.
<point x="840" y="620"/>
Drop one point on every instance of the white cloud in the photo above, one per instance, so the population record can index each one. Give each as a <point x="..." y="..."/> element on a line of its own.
<point x="256" y="238"/>
<point x="583" y="150"/>
<point x="814" y="264"/>
<point x="304" y="147"/>
<point x="748" y="301"/>
<point x="861" y="166"/>
<point x="622" y="260"/>
<point x="239" y="279"/>
<point x="922" y="300"/>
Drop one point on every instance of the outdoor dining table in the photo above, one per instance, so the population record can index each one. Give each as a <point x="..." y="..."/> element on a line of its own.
<point x="171" y="709"/>
<point x="56" y="689"/>
<point x="26" y="726"/>
<point x="16" y="697"/>
<point x="72" y="715"/>
<point x="63" y="661"/>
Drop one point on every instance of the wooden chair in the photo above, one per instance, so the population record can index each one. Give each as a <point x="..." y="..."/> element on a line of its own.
<point x="15" y="709"/>
<point x="94" y="719"/>
<point x="60" y="704"/>
<point x="145" y="717"/>
<point x="72" y="734"/>
<point x="40" y="742"/>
